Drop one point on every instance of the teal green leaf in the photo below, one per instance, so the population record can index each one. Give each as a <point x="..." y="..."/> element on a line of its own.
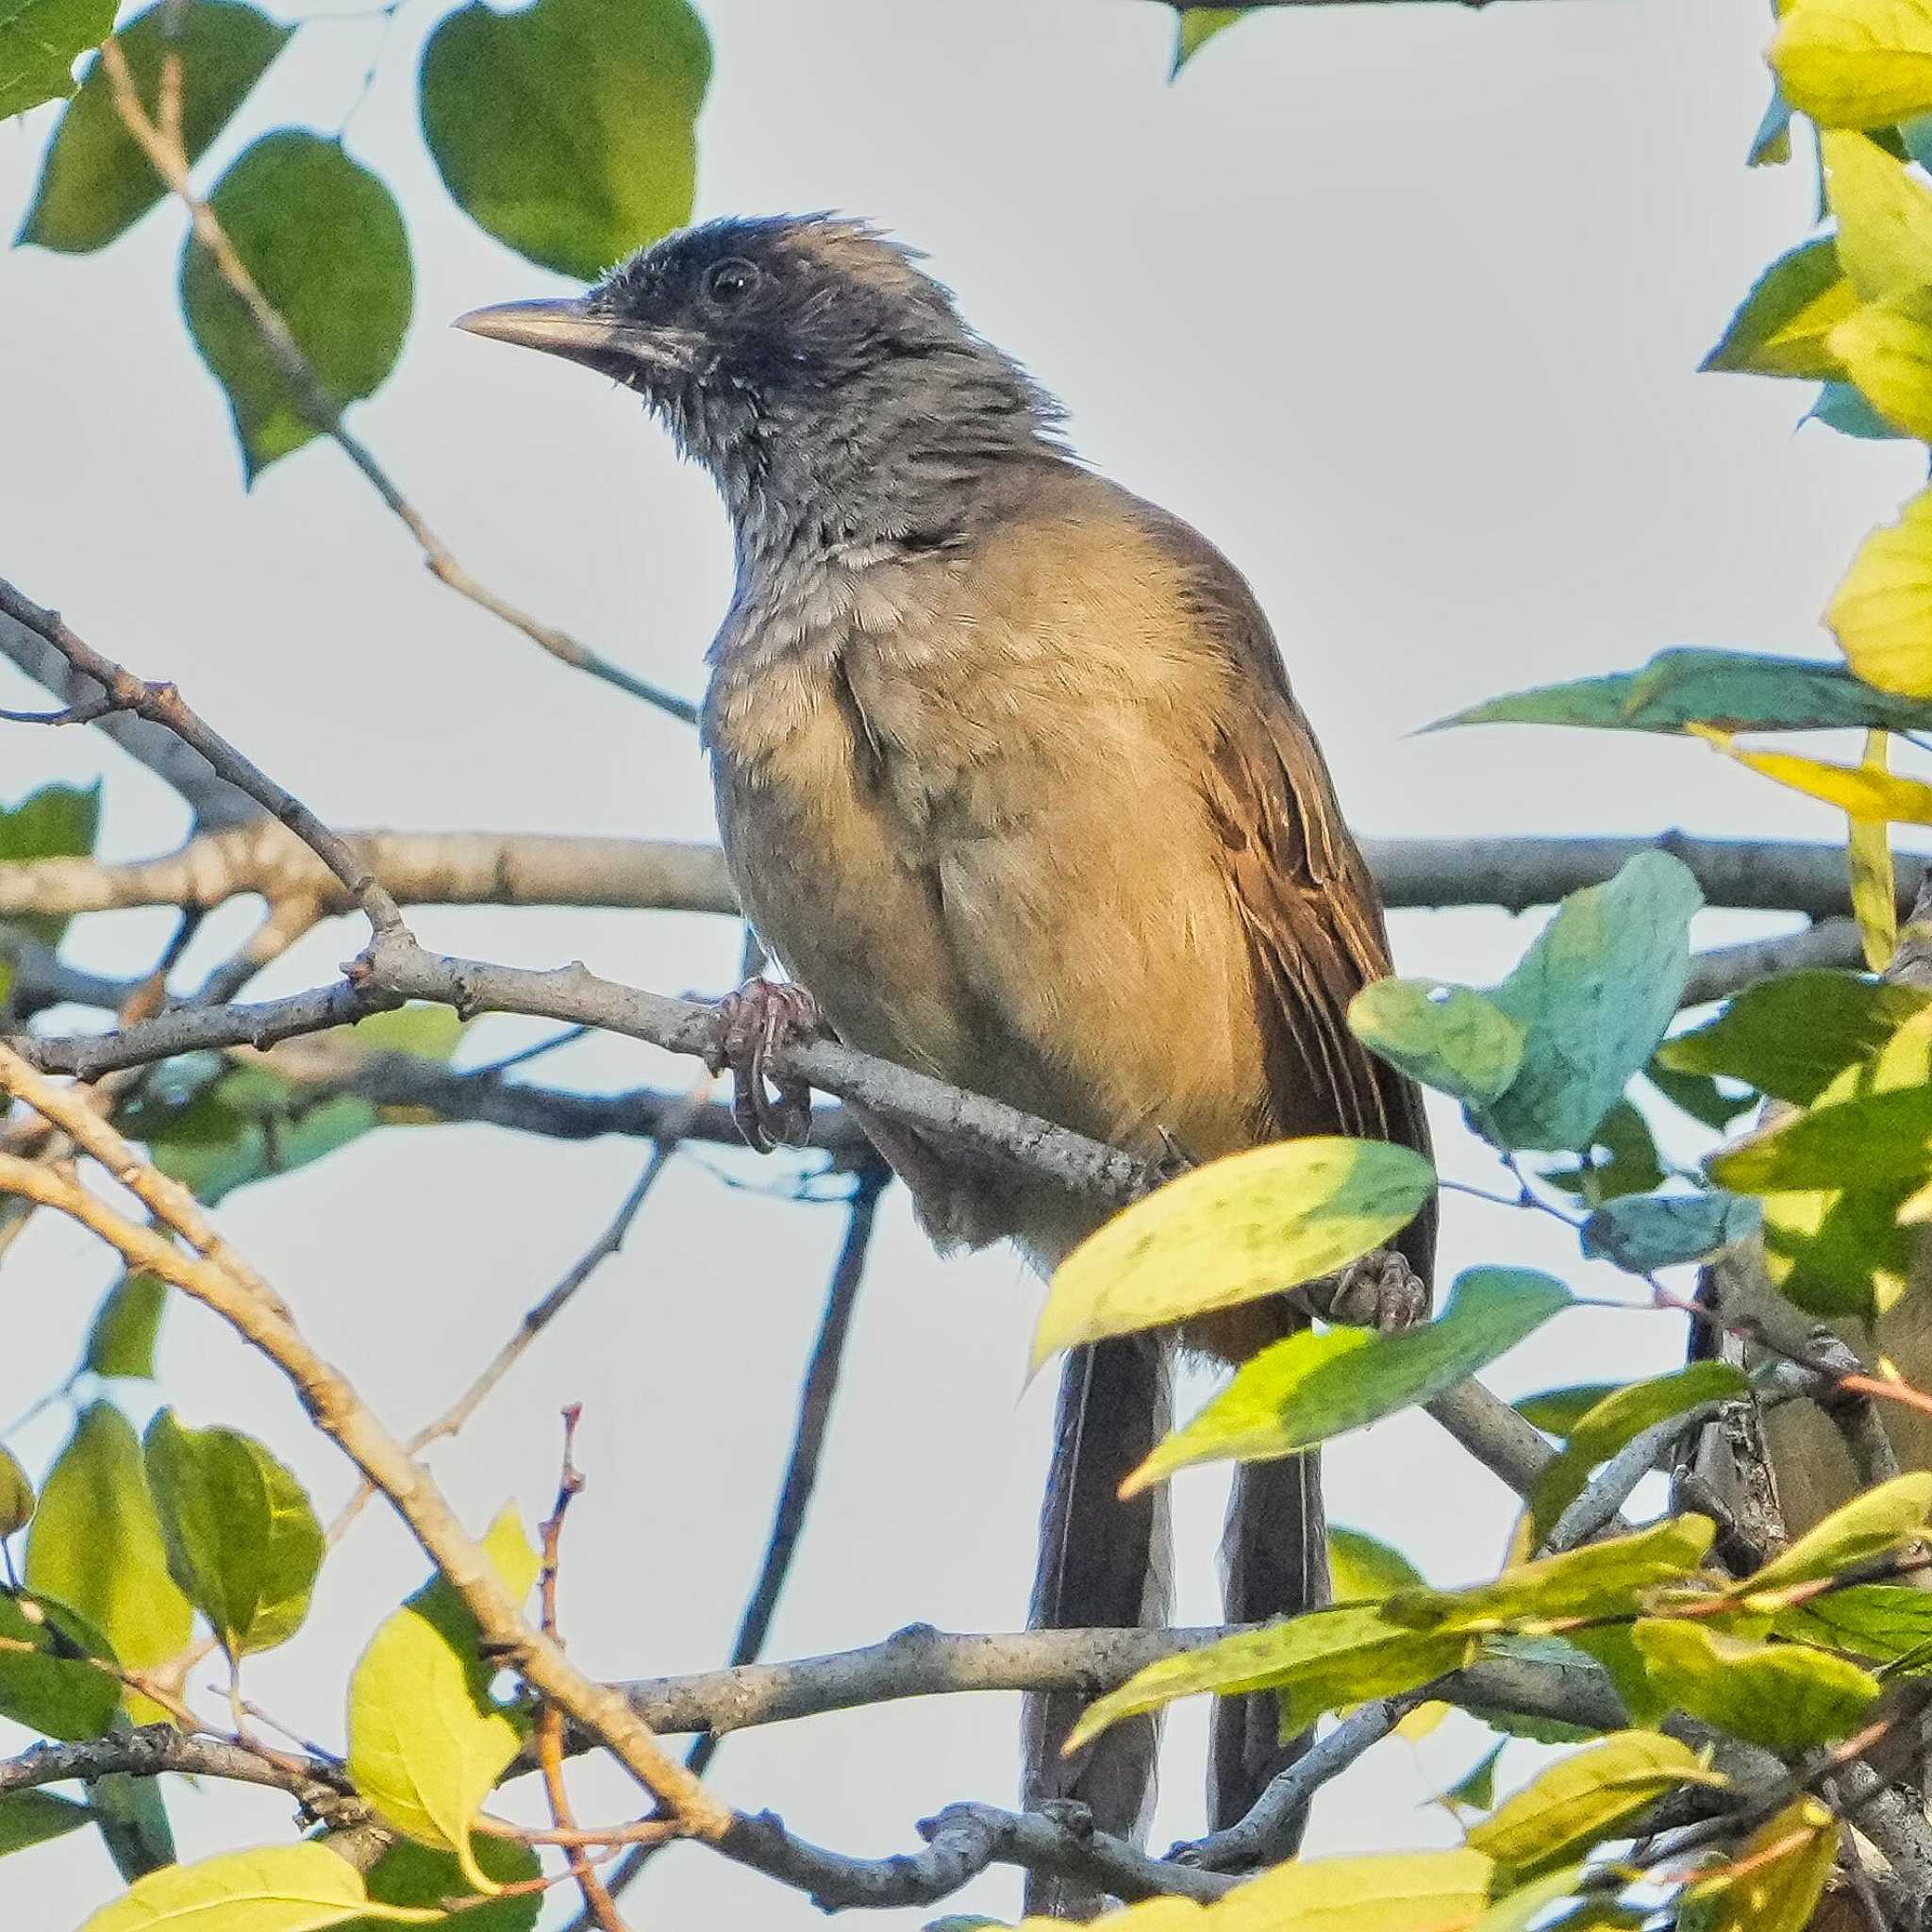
<point x="131" y="1814"/>
<point x="1782" y="1696"/>
<point x="323" y="238"/>
<point x="49" y="1689"/>
<point x="1792" y="1036"/>
<point x="32" y="1817"/>
<point x="95" y="183"/>
<point x="1841" y="407"/>
<point x="40" y="42"/>
<point x="567" y="130"/>
<point x="95" y="1544"/>
<point x="1595" y="995"/>
<point x="1734" y="690"/>
<point x="243" y="1539"/>
<point x="1447" y="1037"/>
<point x="1641" y="1232"/>
<point x="1316" y="1384"/>
<point x="126" y="1326"/>
<point x="56" y="822"/>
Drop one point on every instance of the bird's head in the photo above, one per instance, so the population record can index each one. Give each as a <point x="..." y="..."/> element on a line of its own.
<point x="794" y="356"/>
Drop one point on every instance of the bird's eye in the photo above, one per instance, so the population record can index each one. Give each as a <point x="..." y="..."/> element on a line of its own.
<point x="728" y="283"/>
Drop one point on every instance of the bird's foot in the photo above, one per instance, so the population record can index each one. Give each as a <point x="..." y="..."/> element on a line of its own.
<point x="1378" y="1290"/>
<point x="772" y="1109"/>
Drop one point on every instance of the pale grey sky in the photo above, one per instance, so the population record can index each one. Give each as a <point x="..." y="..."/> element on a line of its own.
<point x="1401" y="305"/>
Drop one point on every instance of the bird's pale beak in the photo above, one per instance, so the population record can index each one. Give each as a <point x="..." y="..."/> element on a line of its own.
<point x="569" y="327"/>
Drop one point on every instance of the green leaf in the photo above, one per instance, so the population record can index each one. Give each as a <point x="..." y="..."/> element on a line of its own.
<point x="428" y="1033"/>
<point x="1774" y="1881"/>
<point x="16" y="1493"/>
<point x="49" y="1689"/>
<point x="1856" y="63"/>
<point x="1581" y="1801"/>
<point x="1316" y="1384"/>
<point x="426" y="1743"/>
<point x="126" y="1328"/>
<point x="31" y="1818"/>
<point x="1447" y="1037"/>
<point x="1598" y="1579"/>
<point x="568" y="128"/>
<point x="1884" y="216"/>
<point x="1781" y="1695"/>
<point x="131" y="1814"/>
<point x="1641" y="1232"/>
<point x="1739" y="690"/>
<point x="1476" y="1789"/>
<point x="412" y="1875"/>
<point x="1595" y="995"/>
<point x="1557" y="1411"/>
<point x="1697" y="1094"/>
<point x="1839" y="407"/>
<point x="298" y="1888"/>
<point x="96" y="1546"/>
<point x="1618" y="1419"/>
<point x="1315" y="1662"/>
<point x="1390" y="1891"/>
<point x="1194" y="28"/>
<point x="1886" y="348"/>
<point x="40" y="42"/>
<point x="56" y="822"/>
<point x="1247" y="1226"/>
<point x="323" y="238"/>
<point x="1792" y="1036"/>
<point x="1783" y="324"/>
<point x="95" y="182"/>
<point x="1874" y="1137"/>
<point x="1883" y="1622"/>
<point x="1874" y="1524"/>
<point x="1362" y="1568"/>
<point x="1620" y="1159"/>
<point x="242" y="1541"/>
<point x="1516" y="1910"/>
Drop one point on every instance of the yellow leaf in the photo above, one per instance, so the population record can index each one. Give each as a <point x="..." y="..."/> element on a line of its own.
<point x="1857" y="63"/>
<point x="1402" y="1892"/>
<point x="1775" y="1880"/>
<point x="1875" y="881"/>
<point x="1239" y="1228"/>
<point x="1884" y="217"/>
<point x="298" y="1888"/>
<point x="1886" y="349"/>
<point x="1859" y="792"/>
<point x="1881" y="615"/>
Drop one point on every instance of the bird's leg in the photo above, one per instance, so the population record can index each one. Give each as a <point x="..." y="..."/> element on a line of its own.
<point x="761" y="1015"/>
<point x="1377" y="1291"/>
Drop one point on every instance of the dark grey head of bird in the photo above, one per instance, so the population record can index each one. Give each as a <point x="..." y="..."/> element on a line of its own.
<point x="822" y="377"/>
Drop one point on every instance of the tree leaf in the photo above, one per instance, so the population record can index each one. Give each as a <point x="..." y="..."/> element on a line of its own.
<point x="567" y="128"/>
<point x="16" y="1493"/>
<point x="1602" y="1577"/>
<point x="1856" y="63"/>
<point x="1318" y="1662"/>
<point x="96" y="1546"/>
<point x="49" y="1689"/>
<point x="1516" y="1910"/>
<point x="126" y="1325"/>
<point x="1839" y="407"/>
<point x="298" y="1888"/>
<point x="1557" y="1411"/>
<point x="1698" y="1095"/>
<point x="40" y="42"/>
<point x="426" y="1743"/>
<point x="1886" y="349"/>
<point x="1782" y="326"/>
<point x="1476" y="1789"/>
<point x="1621" y="1158"/>
<point x="1316" y="1384"/>
<point x="1741" y="691"/>
<point x="1883" y="1622"/>
<point x="95" y="181"/>
<point x="1881" y="612"/>
<point x="1247" y="1226"/>
<point x="1775" y="1880"/>
<point x="1874" y="1137"/>
<point x="1853" y="789"/>
<point x="1642" y="1232"/>
<point x="1887" y="1518"/>
<point x="1873" y="876"/>
<point x="1618" y="1419"/>
<point x="32" y="1817"/>
<point x="241" y="1538"/>
<point x="412" y="1875"/>
<point x="425" y="1032"/>
<point x="1790" y="1037"/>
<point x="56" y="822"/>
<point x="1884" y="216"/>
<point x="1582" y="1800"/>
<point x="1194" y="28"/>
<point x="1595" y="995"/>
<point x="1392" y="1892"/>
<point x="1782" y="1696"/>
<point x="324" y="240"/>
<point x="1448" y="1037"/>
<point x="1362" y="1568"/>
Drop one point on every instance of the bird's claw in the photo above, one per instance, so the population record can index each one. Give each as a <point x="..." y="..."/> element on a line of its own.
<point x="1379" y="1291"/>
<point x="772" y="1109"/>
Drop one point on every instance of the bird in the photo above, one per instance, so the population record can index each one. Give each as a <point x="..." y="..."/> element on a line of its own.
<point x="1012" y="785"/>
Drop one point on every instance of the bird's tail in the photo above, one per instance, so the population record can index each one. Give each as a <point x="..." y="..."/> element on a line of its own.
<point x="1101" y="1562"/>
<point x="1274" y="1563"/>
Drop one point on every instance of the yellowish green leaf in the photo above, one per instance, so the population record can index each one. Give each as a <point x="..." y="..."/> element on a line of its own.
<point x="33" y="1817"/>
<point x="1881" y="615"/>
<point x="298" y="1888"/>
<point x="1782" y="326"/>
<point x="1557" y="1411"/>
<point x="1239" y="1228"/>
<point x="1891" y="1517"/>
<point x="1873" y="877"/>
<point x="1780" y="1695"/>
<point x="1447" y="1037"/>
<point x="1857" y="63"/>
<point x="1886" y="349"/>
<point x="1395" y="1892"/>
<point x="1775" y="1881"/>
<point x="1362" y="1568"/>
<point x="1883" y="1622"/>
<point x="1194" y="28"/>
<point x="16" y="1493"/>
<point x="49" y="1687"/>
<point x="1884" y="217"/>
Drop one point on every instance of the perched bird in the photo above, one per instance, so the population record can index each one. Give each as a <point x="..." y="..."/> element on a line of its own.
<point x="1010" y="782"/>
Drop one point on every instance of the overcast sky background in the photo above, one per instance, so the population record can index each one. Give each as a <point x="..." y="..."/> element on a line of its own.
<point x="1401" y="305"/>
